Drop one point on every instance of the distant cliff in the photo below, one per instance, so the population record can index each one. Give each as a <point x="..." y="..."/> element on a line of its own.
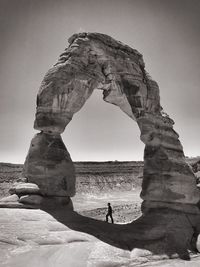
<point x="94" y="177"/>
<point x="91" y="177"/>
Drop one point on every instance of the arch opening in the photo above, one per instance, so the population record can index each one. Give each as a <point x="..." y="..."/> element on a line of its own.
<point x="101" y="132"/>
<point x="108" y="140"/>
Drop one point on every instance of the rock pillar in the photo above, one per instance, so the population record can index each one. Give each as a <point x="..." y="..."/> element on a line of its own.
<point x="48" y="164"/>
<point x="168" y="181"/>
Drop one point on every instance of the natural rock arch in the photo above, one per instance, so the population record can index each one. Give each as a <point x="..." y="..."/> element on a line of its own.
<point x="97" y="61"/>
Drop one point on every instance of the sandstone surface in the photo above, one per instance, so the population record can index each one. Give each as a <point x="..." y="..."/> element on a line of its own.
<point x="31" y="199"/>
<point x="12" y="198"/>
<point x="64" y="238"/>
<point x="49" y="165"/>
<point x="170" y="221"/>
<point x="97" y="61"/>
<point x="24" y="188"/>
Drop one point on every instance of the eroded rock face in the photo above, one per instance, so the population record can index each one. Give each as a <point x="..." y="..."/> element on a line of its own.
<point x="167" y="176"/>
<point x="49" y="165"/>
<point x="97" y="61"/>
<point x="93" y="61"/>
<point x="169" y="224"/>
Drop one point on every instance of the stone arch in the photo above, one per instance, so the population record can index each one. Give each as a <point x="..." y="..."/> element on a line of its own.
<point x="97" y="61"/>
<point x="169" y="224"/>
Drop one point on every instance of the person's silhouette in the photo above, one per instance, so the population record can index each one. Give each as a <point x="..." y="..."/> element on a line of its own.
<point x="109" y="214"/>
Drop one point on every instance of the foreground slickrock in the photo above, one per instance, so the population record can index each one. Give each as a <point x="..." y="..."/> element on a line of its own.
<point x="63" y="238"/>
<point x="170" y="222"/>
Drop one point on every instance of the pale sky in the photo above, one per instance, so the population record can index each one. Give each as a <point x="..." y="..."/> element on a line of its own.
<point x="33" y="34"/>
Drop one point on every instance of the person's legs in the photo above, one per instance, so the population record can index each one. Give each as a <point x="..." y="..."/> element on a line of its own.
<point x="111" y="218"/>
<point x="107" y="217"/>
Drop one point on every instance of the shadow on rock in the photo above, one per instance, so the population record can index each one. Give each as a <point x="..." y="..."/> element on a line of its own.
<point x="163" y="232"/>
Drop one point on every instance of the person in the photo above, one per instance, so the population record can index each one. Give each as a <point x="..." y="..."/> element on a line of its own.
<point x="109" y="214"/>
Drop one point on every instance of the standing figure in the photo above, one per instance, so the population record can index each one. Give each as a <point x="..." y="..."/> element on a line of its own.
<point x="109" y="213"/>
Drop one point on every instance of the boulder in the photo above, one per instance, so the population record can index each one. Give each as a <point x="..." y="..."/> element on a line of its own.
<point x="13" y="201"/>
<point x="24" y="188"/>
<point x="31" y="199"/>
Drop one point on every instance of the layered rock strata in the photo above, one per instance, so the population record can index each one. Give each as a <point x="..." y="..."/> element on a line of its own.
<point x="49" y="165"/>
<point x="96" y="61"/>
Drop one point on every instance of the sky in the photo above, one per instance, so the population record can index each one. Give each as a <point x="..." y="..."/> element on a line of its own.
<point x="35" y="32"/>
